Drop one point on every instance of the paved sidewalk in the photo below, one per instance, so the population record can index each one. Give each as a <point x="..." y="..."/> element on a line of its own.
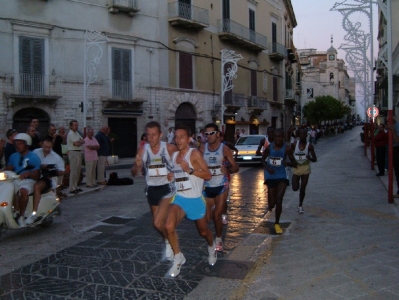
<point x="345" y="245"/>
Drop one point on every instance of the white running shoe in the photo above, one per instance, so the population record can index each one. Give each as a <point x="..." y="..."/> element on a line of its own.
<point x="300" y="210"/>
<point x="21" y="221"/>
<point x="224" y="219"/>
<point x="31" y="219"/>
<point x="178" y="261"/>
<point x="212" y="255"/>
<point x="168" y="251"/>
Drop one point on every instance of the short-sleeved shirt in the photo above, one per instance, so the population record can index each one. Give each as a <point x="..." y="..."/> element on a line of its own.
<point x="21" y="162"/>
<point x="51" y="158"/>
<point x="103" y="141"/>
<point x="90" y="155"/>
<point x="71" y="138"/>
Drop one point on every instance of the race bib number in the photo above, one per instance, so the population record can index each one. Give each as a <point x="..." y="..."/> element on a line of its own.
<point x="182" y="184"/>
<point x="300" y="156"/>
<point x="157" y="170"/>
<point x="275" y="161"/>
<point x="215" y="170"/>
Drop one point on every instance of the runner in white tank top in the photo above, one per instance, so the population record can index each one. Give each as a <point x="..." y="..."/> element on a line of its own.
<point x="302" y="171"/>
<point x="190" y="172"/>
<point x="155" y="156"/>
<point x="216" y="189"/>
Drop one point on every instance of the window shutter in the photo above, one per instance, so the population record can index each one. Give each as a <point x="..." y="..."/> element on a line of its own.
<point x="31" y="66"/>
<point x="226" y="9"/>
<point x="265" y="82"/>
<point x="185" y="71"/>
<point x="275" y="89"/>
<point x="254" y="84"/>
<point x="121" y="73"/>
<point x="252" y="19"/>
<point x="274" y="32"/>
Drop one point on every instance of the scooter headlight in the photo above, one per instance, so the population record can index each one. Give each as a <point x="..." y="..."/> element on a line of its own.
<point x="3" y="176"/>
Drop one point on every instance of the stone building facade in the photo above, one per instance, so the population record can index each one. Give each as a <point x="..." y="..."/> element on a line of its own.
<point x="156" y="60"/>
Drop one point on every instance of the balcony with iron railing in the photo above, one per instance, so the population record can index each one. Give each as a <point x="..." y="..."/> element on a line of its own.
<point x="121" y="90"/>
<point x="127" y="6"/>
<point x="290" y="98"/>
<point x="277" y="51"/>
<point x="34" y="87"/>
<point x="257" y="104"/>
<point x="239" y="34"/>
<point x="188" y="16"/>
<point x="234" y="100"/>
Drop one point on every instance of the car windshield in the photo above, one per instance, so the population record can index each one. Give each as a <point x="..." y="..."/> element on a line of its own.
<point x="250" y="140"/>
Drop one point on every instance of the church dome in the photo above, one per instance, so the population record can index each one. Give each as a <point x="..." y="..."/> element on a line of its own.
<point x="332" y="50"/>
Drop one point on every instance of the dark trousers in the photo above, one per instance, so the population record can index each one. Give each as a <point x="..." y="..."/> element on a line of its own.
<point x="380" y="155"/>
<point x="396" y="164"/>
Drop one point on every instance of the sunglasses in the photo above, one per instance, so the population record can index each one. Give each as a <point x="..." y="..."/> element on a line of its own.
<point x="210" y="133"/>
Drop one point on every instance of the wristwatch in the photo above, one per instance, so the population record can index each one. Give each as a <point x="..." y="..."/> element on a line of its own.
<point x="191" y="171"/>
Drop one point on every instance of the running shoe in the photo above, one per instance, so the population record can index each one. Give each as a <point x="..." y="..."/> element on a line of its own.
<point x="178" y="261"/>
<point x="212" y="255"/>
<point x="300" y="210"/>
<point x="278" y="229"/>
<point x="219" y="244"/>
<point x="168" y="251"/>
<point x="224" y="219"/>
<point x="21" y="221"/>
<point x="31" y="219"/>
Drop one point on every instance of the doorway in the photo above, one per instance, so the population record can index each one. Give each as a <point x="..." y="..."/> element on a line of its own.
<point x="186" y="115"/>
<point x="124" y="131"/>
<point x="21" y="119"/>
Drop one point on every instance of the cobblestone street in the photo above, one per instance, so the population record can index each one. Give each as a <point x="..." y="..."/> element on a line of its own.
<point x="340" y="249"/>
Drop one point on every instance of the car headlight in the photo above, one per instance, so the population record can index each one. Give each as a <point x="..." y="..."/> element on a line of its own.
<point x="234" y="152"/>
<point x="3" y="176"/>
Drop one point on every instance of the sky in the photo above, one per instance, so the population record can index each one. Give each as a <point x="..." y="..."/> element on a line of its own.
<point x="316" y="24"/>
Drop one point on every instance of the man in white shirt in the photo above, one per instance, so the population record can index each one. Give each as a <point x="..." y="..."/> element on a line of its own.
<point x="49" y="177"/>
<point x="171" y="136"/>
<point x="74" y="144"/>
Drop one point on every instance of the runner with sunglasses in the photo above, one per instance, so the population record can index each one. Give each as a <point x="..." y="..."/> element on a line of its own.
<point x="217" y="188"/>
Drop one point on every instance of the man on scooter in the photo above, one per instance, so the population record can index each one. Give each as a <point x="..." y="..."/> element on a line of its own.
<point x="27" y="165"/>
<point x="49" y="177"/>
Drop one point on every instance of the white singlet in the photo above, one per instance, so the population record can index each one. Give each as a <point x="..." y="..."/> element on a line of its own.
<point x="157" y="165"/>
<point x="189" y="186"/>
<point x="300" y="155"/>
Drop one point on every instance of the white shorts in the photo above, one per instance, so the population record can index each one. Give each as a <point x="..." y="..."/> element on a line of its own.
<point x="26" y="184"/>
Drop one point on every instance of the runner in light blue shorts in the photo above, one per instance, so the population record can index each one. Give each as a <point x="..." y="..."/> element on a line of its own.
<point x="195" y="208"/>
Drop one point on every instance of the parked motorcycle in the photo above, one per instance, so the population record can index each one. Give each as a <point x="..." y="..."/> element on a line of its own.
<point x="48" y="206"/>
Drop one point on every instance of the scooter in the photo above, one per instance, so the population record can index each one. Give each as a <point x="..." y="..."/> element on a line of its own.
<point x="47" y="210"/>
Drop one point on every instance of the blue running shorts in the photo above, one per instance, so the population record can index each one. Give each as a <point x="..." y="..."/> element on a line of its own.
<point x="194" y="208"/>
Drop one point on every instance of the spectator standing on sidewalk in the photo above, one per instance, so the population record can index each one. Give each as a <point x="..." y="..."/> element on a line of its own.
<point x="90" y="147"/>
<point x="170" y="136"/>
<point x="56" y="138"/>
<point x="74" y="143"/>
<point x="36" y="143"/>
<point x="9" y="149"/>
<point x="102" y="153"/>
<point x="381" y="142"/>
<point x="313" y="134"/>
